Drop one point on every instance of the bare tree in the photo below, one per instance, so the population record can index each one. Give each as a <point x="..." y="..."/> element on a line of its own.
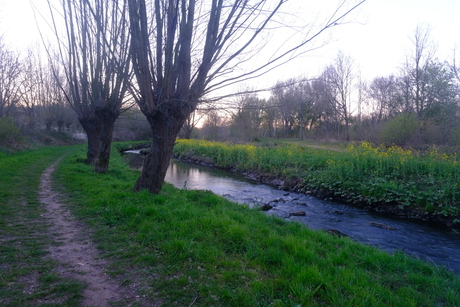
<point x="213" y="125"/>
<point x="268" y="119"/>
<point x="184" y="49"/>
<point x="246" y="117"/>
<point x="384" y="98"/>
<point x="284" y="97"/>
<point x="293" y="100"/>
<point x="323" y="109"/>
<point x="32" y="90"/>
<point x="454" y="65"/>
<point x="340" y="79"/>
<point x="416" y="67"/>
<point x="55" y="110"/>
<point x="95" y="60"/>
<point x="191" y="122"/>
<point x="305" y="115"/>
<point x="10" y="74"/>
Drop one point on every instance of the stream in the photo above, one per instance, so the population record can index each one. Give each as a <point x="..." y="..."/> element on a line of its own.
<point x="419" y="239"/>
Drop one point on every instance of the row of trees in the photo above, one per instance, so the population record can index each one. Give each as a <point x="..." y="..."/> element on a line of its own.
<point x="418" y="105"/>
<point x="29" y="93"/>
<point x="166" y="56"/>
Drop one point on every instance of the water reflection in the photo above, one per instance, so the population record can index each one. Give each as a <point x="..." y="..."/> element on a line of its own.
<point x="204" y="178"/>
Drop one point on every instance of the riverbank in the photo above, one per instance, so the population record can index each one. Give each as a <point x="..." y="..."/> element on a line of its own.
<point x="196" y="247"/>
<point x="423" y="186"/>
<point x="185" y="248"/>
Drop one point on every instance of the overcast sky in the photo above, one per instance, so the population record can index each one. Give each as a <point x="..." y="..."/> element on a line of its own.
<point x="378" y="40"/>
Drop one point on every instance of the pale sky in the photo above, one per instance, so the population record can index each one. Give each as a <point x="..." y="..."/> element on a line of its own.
<point x="378" y="40"/>
<point x="381" y="43"/>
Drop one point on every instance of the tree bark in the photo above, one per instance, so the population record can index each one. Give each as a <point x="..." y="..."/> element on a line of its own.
<point x="107" y="119"/>
<point x="92" y="127"/>
<point x="156" y="163"/>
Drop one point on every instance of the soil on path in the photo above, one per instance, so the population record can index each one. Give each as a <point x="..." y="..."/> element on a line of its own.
<point x="75" y="252"/>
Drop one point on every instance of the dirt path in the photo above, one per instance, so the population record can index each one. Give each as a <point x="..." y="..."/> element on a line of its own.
<point x="76" y="253"/>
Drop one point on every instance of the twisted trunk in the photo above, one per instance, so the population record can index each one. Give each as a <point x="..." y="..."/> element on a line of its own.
<point x="156" y="163"/>
<point x="92" y="127"/>
<point x="107" y="119"/>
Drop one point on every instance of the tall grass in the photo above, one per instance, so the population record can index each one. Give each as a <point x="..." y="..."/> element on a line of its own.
<point x="196" y="248"/>
<point x="427" y="183"/>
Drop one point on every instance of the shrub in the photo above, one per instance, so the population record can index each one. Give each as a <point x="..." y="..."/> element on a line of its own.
<point x="400" y="129"/>
<point x="10" y="134"/>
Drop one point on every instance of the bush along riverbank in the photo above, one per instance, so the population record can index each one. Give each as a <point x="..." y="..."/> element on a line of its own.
<point x="421" y="185"/>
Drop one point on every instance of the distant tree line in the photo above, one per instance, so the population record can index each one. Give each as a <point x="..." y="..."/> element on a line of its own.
<point x="29" y="96"/>
<point x="31" y="99"/>
<point x="418" y="105"/>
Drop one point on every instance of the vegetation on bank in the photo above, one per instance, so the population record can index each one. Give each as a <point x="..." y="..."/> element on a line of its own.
<point x="425" y="184"/>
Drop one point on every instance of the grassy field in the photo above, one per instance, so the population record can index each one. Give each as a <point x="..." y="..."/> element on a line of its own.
<point x="193" y="248"/>
<point x="425" y="184"/>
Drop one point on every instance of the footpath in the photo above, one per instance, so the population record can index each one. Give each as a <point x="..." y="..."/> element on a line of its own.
<point x="47" y="256"/>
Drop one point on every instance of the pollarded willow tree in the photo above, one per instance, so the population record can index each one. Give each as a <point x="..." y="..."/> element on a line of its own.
<point x="94" y="60"/>
<point x="183" y="49"/>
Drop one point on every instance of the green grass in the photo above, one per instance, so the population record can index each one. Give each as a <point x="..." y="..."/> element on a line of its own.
<point x="195" y="248"/>
<point x="27" y="276"/>
<point x="424" y="183"/>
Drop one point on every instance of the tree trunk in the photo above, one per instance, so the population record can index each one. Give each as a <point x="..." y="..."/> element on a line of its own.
<point x="347" y="125"/>
<point x="156" y="163"/>
<point x="107" y="119"/>
<point x="47" y="124"/>
<point x="187" y="131"/>
<point x="92" y="128"/>
<point x="60" y="124"/>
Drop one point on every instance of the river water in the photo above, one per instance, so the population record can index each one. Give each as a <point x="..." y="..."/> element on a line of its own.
<point x="419" y="239"/>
